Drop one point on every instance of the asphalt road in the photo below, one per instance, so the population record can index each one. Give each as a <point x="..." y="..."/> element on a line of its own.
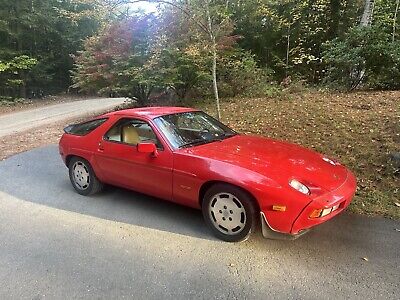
<point x="56" y="244"/>
<point x="19" y="121"/>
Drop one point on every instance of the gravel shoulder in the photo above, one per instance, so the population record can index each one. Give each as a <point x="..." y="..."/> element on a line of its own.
<point x="16" y="122"/>
<point x="48" y="130"/>
<point x="37" y="137"/>
<point x="28" y="104"/>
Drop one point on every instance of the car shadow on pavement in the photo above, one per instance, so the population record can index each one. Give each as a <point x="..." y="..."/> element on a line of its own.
<point x="39" y="176"/>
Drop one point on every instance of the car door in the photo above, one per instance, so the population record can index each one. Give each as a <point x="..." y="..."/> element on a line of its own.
<point x="121" y="164"/>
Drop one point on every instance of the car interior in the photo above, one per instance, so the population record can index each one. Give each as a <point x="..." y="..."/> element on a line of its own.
<point x="132" y="132"/>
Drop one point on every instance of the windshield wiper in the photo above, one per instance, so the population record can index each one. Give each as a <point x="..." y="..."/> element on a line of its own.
<point x="194" y="143"/>
<point x="205" y="141"/>
<point x="227" y="135"/>
<point x="218" y="138"/>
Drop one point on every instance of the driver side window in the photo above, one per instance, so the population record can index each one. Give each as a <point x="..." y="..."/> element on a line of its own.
<point x="132" y="132"/>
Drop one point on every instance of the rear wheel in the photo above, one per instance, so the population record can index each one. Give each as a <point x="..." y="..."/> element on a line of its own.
<point x="83" y="178"/>
<point x="229" y="212"/>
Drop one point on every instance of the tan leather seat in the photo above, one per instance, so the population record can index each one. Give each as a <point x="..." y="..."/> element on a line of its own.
<point x="130" y="135"/>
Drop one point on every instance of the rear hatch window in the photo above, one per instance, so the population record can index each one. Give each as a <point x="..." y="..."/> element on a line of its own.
<point x="84" y="128"/>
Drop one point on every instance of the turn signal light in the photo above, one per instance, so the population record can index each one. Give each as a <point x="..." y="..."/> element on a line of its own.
<point x="316" y="213"/>
<point x="322" y="212"/>
<point x="279" y="208"/>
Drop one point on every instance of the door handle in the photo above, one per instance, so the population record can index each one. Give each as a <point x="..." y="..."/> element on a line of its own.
<point x="101" y="147"/>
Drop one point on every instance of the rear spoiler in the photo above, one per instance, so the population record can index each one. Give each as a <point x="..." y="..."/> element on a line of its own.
<point x="84" y="127"/>
<point x="69" y="128"/>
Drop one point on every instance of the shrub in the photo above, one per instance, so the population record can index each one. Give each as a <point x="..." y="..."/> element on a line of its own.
<point x="365" y="54"/>
<point x="239" y="75"/>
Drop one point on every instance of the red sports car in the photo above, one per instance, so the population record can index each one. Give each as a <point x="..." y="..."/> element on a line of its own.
<point x="185" y="156"/>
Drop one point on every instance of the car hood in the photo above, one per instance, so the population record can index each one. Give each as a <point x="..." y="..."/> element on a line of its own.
<point x="280" y="161"/>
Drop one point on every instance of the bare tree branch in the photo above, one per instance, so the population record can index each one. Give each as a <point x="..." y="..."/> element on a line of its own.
<point x="115" y="3"/>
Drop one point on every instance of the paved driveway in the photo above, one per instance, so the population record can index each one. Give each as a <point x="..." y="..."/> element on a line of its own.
<point x="55" y="243"/>
<point x="27" y="119"/>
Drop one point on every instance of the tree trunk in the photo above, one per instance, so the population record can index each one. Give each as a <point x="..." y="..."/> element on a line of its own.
<point x="287" y="51"/>
<point x="366" y="19"/>
<point x="21" y="73"/>
<point x="395" y="20"/>
<point x="208" y="28"/>
<point x="215" y="84"/>
<point x="214" y="59"/>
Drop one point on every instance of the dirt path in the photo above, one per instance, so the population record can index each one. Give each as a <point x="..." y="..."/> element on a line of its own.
<point x="24" y="120"/>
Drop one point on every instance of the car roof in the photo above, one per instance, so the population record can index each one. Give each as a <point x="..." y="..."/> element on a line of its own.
<point x="151" y="112"/>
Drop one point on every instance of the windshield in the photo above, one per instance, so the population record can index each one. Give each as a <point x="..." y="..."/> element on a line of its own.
<point x="192" y="128"/>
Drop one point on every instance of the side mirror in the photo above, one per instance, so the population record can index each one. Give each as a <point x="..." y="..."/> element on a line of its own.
<point x="147" y="148"/>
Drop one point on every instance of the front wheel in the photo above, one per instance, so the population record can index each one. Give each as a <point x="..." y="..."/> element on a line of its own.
<point x="229" y="212"/>
<point x="83" y="178"/>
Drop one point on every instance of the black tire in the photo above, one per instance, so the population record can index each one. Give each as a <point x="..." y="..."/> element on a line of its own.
<point x="222" y="219"/>
<point x="88" y="186"/>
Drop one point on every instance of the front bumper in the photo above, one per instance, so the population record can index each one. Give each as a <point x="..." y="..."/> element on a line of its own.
<point x="340" y="197"/>
<point x="269" y="233"/>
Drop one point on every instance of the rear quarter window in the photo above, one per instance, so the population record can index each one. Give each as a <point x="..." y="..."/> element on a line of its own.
<point x="84" y="128"/>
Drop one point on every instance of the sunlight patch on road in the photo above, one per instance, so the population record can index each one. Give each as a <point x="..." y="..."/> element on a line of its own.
<point x="30" y="213"/>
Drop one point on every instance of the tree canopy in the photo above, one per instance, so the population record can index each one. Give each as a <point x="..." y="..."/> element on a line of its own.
<point x="193" y="48"/>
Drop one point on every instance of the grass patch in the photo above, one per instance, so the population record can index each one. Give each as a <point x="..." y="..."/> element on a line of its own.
<point x="8" y="101"/>
<point x="359" y="129"/>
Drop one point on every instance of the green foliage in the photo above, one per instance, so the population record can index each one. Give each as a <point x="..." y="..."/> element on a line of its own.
<point x="3" y="67"/>
<point x="182" y="71"/>
<point x="134" y="58"/>
<point x="364" y="51"/>
<point x="10" y="101"/>
<point x="263" y="89"/>
<point x="23" y="62"/>
<point x="286" y="36"/>
<point x="15" y="73"/>
<point x="136" y="79"/>
<point x="108" y="49"/>
<point x="37" y="40"/>
<point x="239" y="74"/>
